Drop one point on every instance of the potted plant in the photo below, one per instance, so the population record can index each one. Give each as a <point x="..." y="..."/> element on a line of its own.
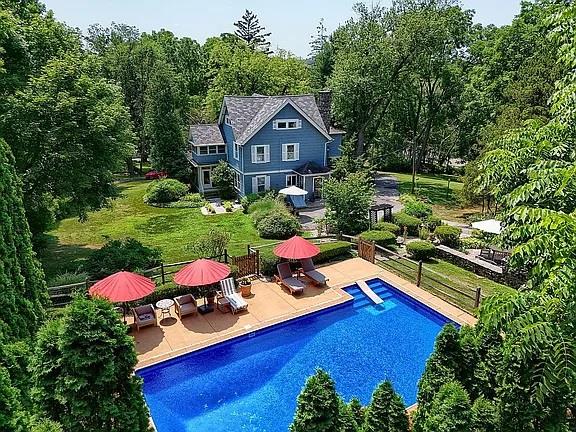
<point x="246" y="287"/>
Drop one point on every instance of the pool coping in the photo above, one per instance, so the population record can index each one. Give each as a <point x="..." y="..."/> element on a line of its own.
<point x="418" y="294"/>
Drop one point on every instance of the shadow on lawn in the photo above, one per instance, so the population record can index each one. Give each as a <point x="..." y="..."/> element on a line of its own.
<point x="58" y="258"/>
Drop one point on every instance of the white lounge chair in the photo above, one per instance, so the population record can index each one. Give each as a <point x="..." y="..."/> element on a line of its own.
<point x="286" y="279"/>
<point x="311" y="273"/>
<point x="237" y="303"/>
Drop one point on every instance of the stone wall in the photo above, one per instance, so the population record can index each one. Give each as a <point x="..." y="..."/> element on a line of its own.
<point x="480" y="267"/>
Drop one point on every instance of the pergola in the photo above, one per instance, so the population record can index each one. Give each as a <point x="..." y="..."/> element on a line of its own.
<point x="384" y="209"/>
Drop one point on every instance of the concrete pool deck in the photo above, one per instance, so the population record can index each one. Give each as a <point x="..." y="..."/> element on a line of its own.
<point x="268" y="305"/>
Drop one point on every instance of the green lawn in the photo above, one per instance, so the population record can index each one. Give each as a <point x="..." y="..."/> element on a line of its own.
<point x="445" y="201"/>
<point x="169" y="229"/>
<point x="438" y="273"/>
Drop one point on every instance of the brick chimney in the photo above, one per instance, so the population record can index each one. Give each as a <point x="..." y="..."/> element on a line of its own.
<point x="324" y="102"/>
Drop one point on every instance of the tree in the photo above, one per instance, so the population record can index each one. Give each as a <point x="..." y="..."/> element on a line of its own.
<point x="250" y="30"/>
<point x="69" y="132"/>
<point x="22" y="287"/>
<point x="347" y="202"/>
<point x="450" y="410"/>
<point x="318" y="405"/>
<point x="223" y="179"/>
<point x="10" y="414"/>
<point x="83" y="371"/>
<point x="163" y="124"/>
<point x="347" y="419"/>
<point x="386" y="412"/>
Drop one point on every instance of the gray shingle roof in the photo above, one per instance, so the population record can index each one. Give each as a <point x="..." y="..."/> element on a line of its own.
<point x="249" y="113"/>
<point x="206" y="134"/>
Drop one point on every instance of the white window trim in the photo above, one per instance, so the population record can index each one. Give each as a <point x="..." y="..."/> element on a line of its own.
<point x="237" y="181"/>
<point x="297" y="121"/>
<point x="295" y="179"/>
<point x="255" y="183"/>
<point x="236" y="150"/>
<point x="255" y="148"/>
<point x="285" y="152"/>
<point x="196" y="149"/>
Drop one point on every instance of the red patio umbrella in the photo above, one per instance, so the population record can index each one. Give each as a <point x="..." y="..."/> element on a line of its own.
<point x="200" y="273"/>
<point x="123" y="287"/>
<point x="296" y="248"/>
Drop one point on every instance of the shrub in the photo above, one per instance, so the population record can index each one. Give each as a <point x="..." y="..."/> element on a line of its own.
<point x="318" y="405"/>
<point x="388" y="226"/>
<point x="415" y="207"/>
<point x="473" y="243"/>
<point x="448" y="235"/>
<point x="263" y="207"/>
<point x="386" y="411"/>
<point x="68" y="278"/>
<point x="382" y="238"/>
<point x="278" y="225"/>
<point x="116" y="255"/>
<point x="421" y="250"/>
<point x="223" y="180"/>
<point x="193" y="199"/>
<point x="228" y="206"/>
<point x="450" y="410"/>
<point x="210" y="245"/>
<point x="249" y="199"/>
<point x="405" y="220"/>
<point x="424" y="233"/>
<point x="485" y="416"/>
<point x="165" y="191"/>
<point x="432" y="222"/>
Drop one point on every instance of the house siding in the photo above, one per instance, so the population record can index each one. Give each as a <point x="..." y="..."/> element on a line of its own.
<point x="312" y="144"/>
<point x="208" y="159"/>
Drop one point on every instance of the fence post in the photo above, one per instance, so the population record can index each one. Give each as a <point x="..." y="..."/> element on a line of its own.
<point x="248" y="249"/>
<point x="163" y="274"/>
<point x="478" y="297"/>
<point x="226" y="256"/>
<point x="87" y="284"/>
<point x="419" y="275"/>
<point x="258" y="262"/>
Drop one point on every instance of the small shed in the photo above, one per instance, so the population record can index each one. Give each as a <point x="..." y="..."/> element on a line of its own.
<point x="380" y="212"/>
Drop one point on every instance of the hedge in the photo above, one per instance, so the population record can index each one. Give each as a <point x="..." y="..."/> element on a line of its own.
<point x="432" y="222"/>
<point x="388" y="226"/>
<point x="448" y="235"/>
<point x="165" y="191"/>
<point x="421" y="250"/>
<point x="473" y="243"/>
<point x="382" y="238"/>
<point x="328" y="252"/>
<point x="404" y="220"/>
<point x="277" y="224"/>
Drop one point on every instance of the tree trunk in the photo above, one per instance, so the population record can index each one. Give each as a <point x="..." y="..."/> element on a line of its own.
<point x="360" y="143"/>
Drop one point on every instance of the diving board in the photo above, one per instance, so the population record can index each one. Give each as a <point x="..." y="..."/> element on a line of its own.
<point x="371" y="294"/>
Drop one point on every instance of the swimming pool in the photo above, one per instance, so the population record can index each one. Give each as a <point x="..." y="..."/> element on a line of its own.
<point x="251" y="383"/>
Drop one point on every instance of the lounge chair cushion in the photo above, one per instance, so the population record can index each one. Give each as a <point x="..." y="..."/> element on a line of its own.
<point x="294" y="283"/>
<point x="316" y="275"/>
<point x="187" y="308"/>
<point x="184" y="299"/>
<point x="145" y="317"/>
<point x="236" y="301"/>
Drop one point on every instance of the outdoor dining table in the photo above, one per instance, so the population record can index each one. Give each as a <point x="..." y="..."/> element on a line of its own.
<point x="164" y="305"/>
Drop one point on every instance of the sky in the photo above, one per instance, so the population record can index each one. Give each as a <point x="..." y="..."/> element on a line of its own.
<point x="292" y="23"/>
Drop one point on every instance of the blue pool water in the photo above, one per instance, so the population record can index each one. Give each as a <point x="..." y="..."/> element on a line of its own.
<point x="251" y="383"/>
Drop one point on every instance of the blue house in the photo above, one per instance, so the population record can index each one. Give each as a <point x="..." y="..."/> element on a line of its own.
<point x="270" y="142"/>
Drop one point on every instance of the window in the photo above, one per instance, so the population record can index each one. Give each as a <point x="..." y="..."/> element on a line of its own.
<point x="237" y="181"/>
<point x="291" y="180"/>
<point x="236" y="151"/>
<point x="260" y="183"/>
<point x="287" y="124"/>
<point x="211" y="149"/>
<point x="260" y="154"/>
<point x="290" y="152"/>
<point x="206" y="177"/>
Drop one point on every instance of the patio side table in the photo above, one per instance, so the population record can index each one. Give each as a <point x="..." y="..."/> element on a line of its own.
<point x="223" y="305"/>
<point x="164" y="306"/>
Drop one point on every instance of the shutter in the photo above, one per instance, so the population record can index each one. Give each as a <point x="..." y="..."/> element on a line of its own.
<point x="267" y="183"/>
<point x="299" y="123"/>
<point x="275" y="124"/>
<point x="284" y="152"/>
<point x="296" y="151"/>
<point x="254" y="185"/>
<point x="253" y="154"/>
<point x="267" y="153"/>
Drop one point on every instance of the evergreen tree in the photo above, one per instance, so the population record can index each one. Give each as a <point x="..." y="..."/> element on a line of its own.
<point x="347" y="419"/>
<point x="357" y="410"/>
<point x="22" y="287"/>
<point x="318" y="41"/>
<point x="250" y="30"/>
<point x="163" y="124"/>
<point x="83" y="371"/>
<point x="450" y="410"/>
<point x="386" y="412"/>
<point x="10" y="420"/>
<point x="318" y="406"/>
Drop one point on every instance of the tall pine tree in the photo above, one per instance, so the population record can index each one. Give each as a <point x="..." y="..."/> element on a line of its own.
<point x="250" y="30"/>
<point x="22" y="288"/>
<point x="386" y="412"/>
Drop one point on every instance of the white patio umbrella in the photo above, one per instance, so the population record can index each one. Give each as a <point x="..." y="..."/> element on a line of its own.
<point x="492" y="226"/>
<point x="293" y="190"/>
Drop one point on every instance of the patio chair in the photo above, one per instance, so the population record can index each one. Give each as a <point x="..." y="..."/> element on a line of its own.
<point x="237" y="303"/>
<point x="287" y="280"/>
<point x="185" y="305"/>
<point x="144" y="316"/>
<point x="311" y="273"/>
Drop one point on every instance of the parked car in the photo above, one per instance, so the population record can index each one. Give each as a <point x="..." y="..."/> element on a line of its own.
<point x="155" y="175"/>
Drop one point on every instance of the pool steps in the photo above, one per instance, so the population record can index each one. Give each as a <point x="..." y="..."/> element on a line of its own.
<point x="369" y="293"/>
